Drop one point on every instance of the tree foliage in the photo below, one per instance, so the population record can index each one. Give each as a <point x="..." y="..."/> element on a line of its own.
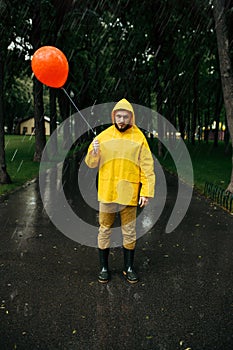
<point x="158" y="53"/>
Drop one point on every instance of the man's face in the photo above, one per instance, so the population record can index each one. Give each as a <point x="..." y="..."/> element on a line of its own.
<point x="122" y="119"/>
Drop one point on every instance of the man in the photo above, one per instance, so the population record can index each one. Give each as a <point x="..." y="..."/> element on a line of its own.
<point x="126" y="179"/>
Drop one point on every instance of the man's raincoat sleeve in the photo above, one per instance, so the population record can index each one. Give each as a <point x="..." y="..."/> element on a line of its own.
<point x="92" y="159"/>
<point x="147" y="175"/>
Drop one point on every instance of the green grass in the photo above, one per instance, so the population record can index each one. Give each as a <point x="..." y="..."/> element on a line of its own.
<point x="209" y="164"/>
<point x="19" y="159"/>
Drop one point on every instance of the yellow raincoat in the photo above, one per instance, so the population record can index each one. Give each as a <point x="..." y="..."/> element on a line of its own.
<point x="126" y="168"/>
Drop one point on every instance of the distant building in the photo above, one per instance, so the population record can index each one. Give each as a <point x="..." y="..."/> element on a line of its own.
<point x="27" y="126"/>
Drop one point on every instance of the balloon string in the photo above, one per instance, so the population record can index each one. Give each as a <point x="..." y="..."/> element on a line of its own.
<point x="78" y="110"/>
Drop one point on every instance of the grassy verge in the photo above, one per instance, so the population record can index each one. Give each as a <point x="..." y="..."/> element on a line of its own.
<point x="209" y="163"/>
<point x="19" y="158"/>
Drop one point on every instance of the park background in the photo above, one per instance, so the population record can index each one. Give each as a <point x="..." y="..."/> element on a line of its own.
<point x="170" y="56"/>
<point x="165" y="55"/>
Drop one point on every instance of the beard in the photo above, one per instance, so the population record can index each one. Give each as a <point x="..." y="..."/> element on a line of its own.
<point x="124" y="128"/>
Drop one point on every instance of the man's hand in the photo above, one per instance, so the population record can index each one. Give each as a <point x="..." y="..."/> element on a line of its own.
<point x="96" y="146"/>
<point x="143" y="201"/>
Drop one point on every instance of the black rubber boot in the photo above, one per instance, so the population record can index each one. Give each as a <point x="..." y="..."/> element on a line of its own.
<point x="128" y="271"/>
<point x="104" y="273"/>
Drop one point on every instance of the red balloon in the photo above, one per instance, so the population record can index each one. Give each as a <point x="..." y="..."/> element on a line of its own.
<point x="50" y="66"/>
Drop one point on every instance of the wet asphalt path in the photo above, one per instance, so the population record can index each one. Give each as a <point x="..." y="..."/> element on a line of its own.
<point x="50" y="297"/>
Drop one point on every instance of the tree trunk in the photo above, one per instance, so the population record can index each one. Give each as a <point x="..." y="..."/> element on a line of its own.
<point x="160" y="126"/>
<point x="4" y="177"/>
<point x="207" y="122"/>
<point x="225" y="69"/>
<point x="218" y="108"/>
<point x="52" y="110"/>
<point x="195" y="98"/>
<point x="53" y="119"/>
<point x="181" y="122"/>
<point x="40" y="139"/>
<point x="64" y="107"/>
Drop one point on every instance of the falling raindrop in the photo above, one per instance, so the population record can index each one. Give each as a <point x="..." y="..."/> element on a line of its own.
<point x="20" y="165"/>
<point x="13" y="234"/>
<point x="14" y="294"/>
<point x="26" y="310"/>
<point x="14" y="155"/>
<point x="6" y="144"/>
<point x="33" y="133"/>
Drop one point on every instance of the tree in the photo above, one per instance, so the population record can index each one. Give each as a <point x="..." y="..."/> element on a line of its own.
<point x="4" y="176"/>
<point x="219" y="10"/>
<point x="40" y="139"/>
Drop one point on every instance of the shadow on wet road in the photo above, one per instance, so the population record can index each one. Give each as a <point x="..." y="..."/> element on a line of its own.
<point x="50" y="297"/>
